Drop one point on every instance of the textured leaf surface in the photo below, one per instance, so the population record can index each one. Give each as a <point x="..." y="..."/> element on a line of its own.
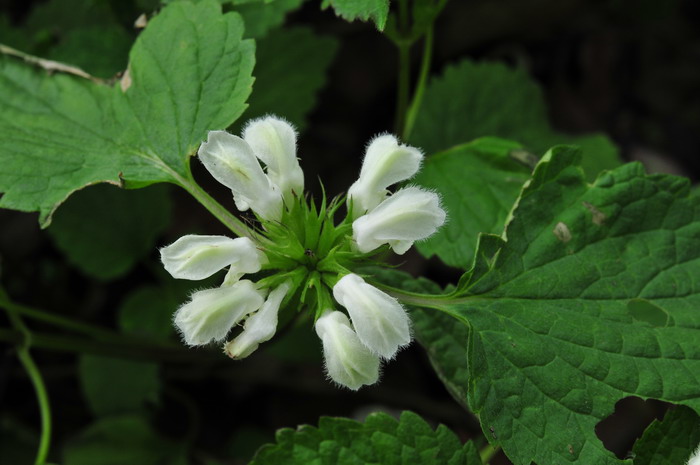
<point x="478" y="183"/>
<point x="381" y="439"/>
<point x="120" y="440"/>
<point x="350" y="10"/>
<point x="594" y="297"/>
<point x="113" y="385"/>
<point x="669" y="441"/>
<point x="291" y="66"/>
<point x="189" y="72"/>
<point x="104" y="231"/>
<point x="472" y="100"/>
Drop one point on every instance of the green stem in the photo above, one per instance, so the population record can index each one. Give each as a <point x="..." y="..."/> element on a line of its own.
<point x="489" y="452"/>
<point x="413" y="109"/>
<point x="215" y="208"/>
<point x="23" y="345"/>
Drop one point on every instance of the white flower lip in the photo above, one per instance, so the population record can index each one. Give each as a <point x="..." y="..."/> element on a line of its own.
<point x="348" y="362"/>
<point x="380" y="321"/>
<point x="210" y="314"/>
<point x="274" y="141"/>
<point x="386" y="162"/>
<point x="232" y="162"/>
<point x="409" y="215"/>
<point x="197" y="257"/>
<point x="259" y="327"/>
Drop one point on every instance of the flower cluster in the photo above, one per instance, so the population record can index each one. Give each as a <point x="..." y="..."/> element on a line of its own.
<point x="300" y="258"/>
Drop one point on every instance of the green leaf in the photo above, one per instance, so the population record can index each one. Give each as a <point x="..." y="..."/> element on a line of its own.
<point x="102" y="51"/>
<point x="148" y="312"/>
<point x="478" y="183"/>
<point x="104" y="231"/>
<point x="189" y="72"/>
<point x="128" y="439"/>
<point x="380" y="439"/>
<point x="261" y="17"/>
<point x="350" y="10"/>
<point x="554" y="336"/>
<point x="472" y="100"/>
<point x="114" y="385"/>
<point x="669" y="441"/>
<point x="293" y="58"/>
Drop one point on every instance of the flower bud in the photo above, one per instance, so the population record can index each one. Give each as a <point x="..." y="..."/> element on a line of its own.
<point x="198" y="257"/>
<point x="409" y="215"/>
<point x="232" y="162"/>
<point x="386" y="163"/>
<point x="380" y="321"/>
<point x="274" y="141"/>
<point x="259" y="327"/>
<point x="210" y="314"/>
<point x="348" y="362"/>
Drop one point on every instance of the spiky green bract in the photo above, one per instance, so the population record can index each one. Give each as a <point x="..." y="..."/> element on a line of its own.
<point x="381" y="439"/>
<point x="307" y="247"/>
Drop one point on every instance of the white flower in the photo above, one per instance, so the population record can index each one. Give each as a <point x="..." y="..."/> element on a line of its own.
<point x="259" y="327"/>
<point x="348" y="362"/>
<point x="210" y="314"/>
<point x="380" y="321"/>
<point x="232" y="162"/>
<point x="409" y="215"/>
<point x="695" y="458"/>
<point x="274" y="141"/>
<point x="386" y="163"/>
<point x="198" y="257"/>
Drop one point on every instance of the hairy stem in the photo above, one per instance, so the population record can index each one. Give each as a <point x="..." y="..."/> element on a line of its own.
<point x="413" y="109"/>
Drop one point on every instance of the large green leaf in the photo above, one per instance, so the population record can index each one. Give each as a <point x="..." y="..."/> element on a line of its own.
<point x="189" y="72"/>
<point x="669" y="441"/>
<point x="593" y="297"/>
<point x="379" y="440"/>
<point x="350" y="10"/>
<point x="478" y="183"/>
<point x="290" y="70"/>
<point x="472" y="100"/>
<point x="260" y="17"/>
<point x="104" y="231"/>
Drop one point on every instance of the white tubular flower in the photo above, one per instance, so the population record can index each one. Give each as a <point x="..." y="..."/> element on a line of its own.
<point x="348" y="362"/>
<point x="409" y="215"/>
<point x="259" y="327"/>
<point x="198" y="257"/>
<point x="380" y="321"/>
<point x="695" y="458"/>
<point x="386" y="163"/>
<point x="232" y="162"/>
<point x="274" y="141"/>
<point x="210" y="314"/>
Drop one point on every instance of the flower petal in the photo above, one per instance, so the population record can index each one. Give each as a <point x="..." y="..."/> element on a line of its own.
<point x="198" y="257"/>
<point x="409" y="215"/>
<point x="259" y="327"/>
<point x="210" y="314"/>
<point x="232" y="162"/>
<point x="348" y="362"/>
<point x="274" y="141"/>
<point x="386" y="162"/>
<point x="380" y="321"/>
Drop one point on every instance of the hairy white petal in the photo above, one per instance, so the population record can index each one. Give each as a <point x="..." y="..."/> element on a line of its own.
<point x="232" y="162"/>
<point x="348" y="362"/>
<point x="210" y="314"/>
<point x="409" y="215"/>
<point x="380" y="321"/>
<point x="386" y="162"/>
<point x="274" y="141"/>
<point x="259" y="327"/>
<point x="695" y="458"/>
<point x="198" y="257"/>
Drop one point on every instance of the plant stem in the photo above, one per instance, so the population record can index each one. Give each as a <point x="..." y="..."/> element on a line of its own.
<point x="23" y="345"/>
<point x="413" y="109"/>
<point x="489" y="452"/>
